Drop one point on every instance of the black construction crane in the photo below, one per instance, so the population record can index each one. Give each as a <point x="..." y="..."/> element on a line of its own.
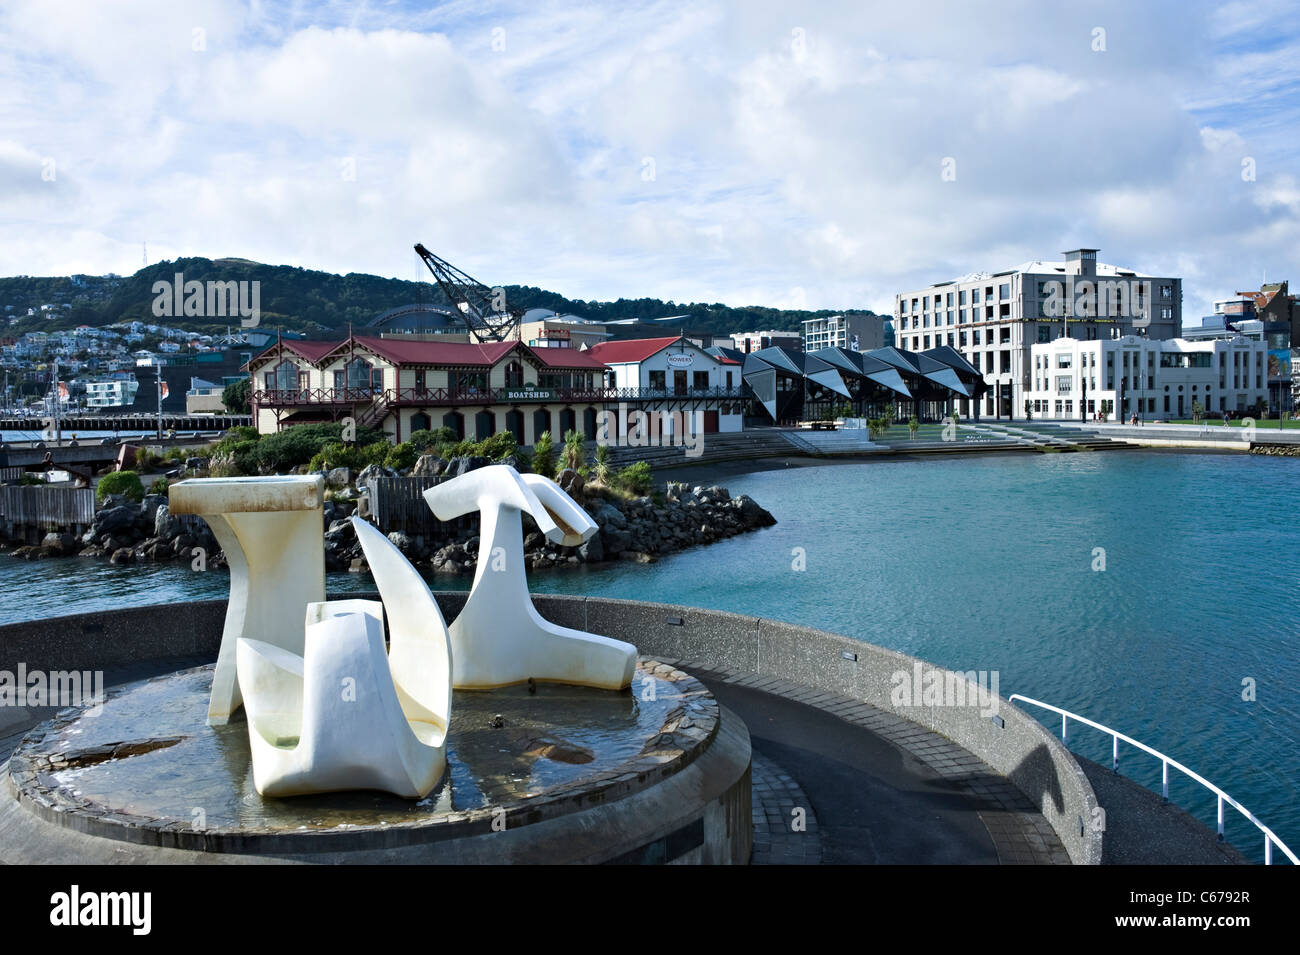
<point x="486" y="314"/>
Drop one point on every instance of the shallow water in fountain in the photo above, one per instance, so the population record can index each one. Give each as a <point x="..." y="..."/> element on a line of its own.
<point x="184" y="771"/>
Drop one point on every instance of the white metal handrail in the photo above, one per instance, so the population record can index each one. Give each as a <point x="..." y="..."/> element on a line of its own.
<point x="1166" y="762"/>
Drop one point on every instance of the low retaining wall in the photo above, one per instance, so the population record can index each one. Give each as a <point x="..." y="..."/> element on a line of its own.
<point x="1020" y="748"/>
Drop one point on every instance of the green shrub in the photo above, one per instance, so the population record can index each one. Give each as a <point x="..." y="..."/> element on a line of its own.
<point x="425" y="440"/>
<point x="147" y="459"/>
<point x="281" y="453"/>
<point x="498" y="447"/>
<point x="120" y="482"/>
<point x="544" y="455"/>
<point x="402" y="456"/>
<point x="635" y="478"/>
<point x="159" y="486"/>
<point x="335" y="454"/>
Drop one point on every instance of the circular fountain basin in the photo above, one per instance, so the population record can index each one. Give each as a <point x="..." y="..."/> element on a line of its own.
<point x="548" y="773"/>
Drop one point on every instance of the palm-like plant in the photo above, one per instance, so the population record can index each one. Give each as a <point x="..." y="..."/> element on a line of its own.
<point x="575" y="451"/>
<point x="603" y="468"/>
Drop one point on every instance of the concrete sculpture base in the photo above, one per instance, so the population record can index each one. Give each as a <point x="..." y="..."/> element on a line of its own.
<point x="499" y="638"/>
<point x="574" y="775"/>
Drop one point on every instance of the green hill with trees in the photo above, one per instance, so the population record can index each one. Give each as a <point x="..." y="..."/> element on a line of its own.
<point x="321" y="304"/>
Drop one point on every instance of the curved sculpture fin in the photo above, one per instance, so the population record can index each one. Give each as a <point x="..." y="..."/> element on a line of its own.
<point x="419" y="650"/>
<point x="573" y="525"/>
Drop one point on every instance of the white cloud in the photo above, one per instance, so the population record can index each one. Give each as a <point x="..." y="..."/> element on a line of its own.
<point x="796" y="152"/>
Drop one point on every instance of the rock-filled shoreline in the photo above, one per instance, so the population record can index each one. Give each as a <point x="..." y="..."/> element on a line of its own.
<point x="640" y="529"/>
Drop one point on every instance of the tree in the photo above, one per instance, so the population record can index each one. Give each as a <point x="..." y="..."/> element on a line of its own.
<point x="237" y="396"/>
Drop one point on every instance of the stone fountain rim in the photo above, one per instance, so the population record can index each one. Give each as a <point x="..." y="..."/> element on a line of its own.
<point x="36" y="791"/>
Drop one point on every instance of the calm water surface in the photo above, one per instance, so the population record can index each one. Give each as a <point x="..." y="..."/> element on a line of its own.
<point x="985" y="563"/>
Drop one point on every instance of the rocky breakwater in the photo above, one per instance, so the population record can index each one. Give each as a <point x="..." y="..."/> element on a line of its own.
<point x="638" y="529"/>
<point x="125" y="532"/>
<point x="1277" y="450"/>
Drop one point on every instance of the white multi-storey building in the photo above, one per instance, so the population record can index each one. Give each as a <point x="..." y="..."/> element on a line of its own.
<point x="995" y="319"/>
<point x="850" y="332"/>
<point x="111" y="394"/>
<point x="1128" y="376"/>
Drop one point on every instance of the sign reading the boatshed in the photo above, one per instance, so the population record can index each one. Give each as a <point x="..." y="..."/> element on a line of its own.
<point x="529" y="394"/>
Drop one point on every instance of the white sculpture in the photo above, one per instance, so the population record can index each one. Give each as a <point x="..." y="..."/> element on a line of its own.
<point x="270" y="531"/>
<point x="348" y="714"/>
<point x="499" y="638"/>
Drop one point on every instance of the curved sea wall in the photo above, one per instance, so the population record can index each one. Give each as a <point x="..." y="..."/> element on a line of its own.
<point x="1009" y="740"/>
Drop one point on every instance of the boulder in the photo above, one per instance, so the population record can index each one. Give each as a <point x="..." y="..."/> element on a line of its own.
<point x="571" y="482"/>
<point x="165" y="526"/>
<point x="338" y="477"/>
<point x="115" y="520"/>
<point x="591" y="551"/>
<point x="371" y="471"/>
<point x="607" y="515"/>
<point x="751" y="514"/>
<point x="123" y="555"/>
<point x="615" y="540"/>
<point x="464" y="464"/>
<point x="429" y="465"/>
<point x="56" y="544"/>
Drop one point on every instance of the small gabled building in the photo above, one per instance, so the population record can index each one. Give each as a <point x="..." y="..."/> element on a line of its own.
<point x="674" y="374"/>
<point x="401" y="386"/>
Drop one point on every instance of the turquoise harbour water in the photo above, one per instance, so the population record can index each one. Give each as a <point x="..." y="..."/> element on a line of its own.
<point x="985" y="563"/>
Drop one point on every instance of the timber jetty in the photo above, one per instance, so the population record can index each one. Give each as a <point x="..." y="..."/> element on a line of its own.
<point x="132" y="423"/>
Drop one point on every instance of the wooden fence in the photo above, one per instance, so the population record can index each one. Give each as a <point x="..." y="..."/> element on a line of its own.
<point x="38" y="506"/>
<point x="397" y="504"/>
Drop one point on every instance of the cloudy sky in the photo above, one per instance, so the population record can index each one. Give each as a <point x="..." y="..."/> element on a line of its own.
<point x="746" y="152"/>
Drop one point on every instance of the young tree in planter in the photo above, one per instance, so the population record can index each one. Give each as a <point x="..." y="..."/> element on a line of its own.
<point x="1197" y="410"/>
<point x="1029" y="410"/>
<point x="913" y="423"/>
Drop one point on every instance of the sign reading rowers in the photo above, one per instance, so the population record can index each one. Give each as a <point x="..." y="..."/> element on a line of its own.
<point x="683" y="360"/>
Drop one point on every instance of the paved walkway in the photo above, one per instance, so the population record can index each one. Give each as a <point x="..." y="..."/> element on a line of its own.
<point x="785" y="826"/>
<point x="882" y="789"/>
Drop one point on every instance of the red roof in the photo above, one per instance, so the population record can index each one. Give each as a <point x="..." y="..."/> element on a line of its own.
<point x="405" y="352"/>
<point x="567" y="358"/>
<point x="312" y="351"/>
<point x="635" y="349"/>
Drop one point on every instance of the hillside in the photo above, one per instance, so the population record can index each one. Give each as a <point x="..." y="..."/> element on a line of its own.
<point x="320" y="304"/>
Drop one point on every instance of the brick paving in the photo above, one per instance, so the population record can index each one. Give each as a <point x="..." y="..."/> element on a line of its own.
<point x="782" y="836"/>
